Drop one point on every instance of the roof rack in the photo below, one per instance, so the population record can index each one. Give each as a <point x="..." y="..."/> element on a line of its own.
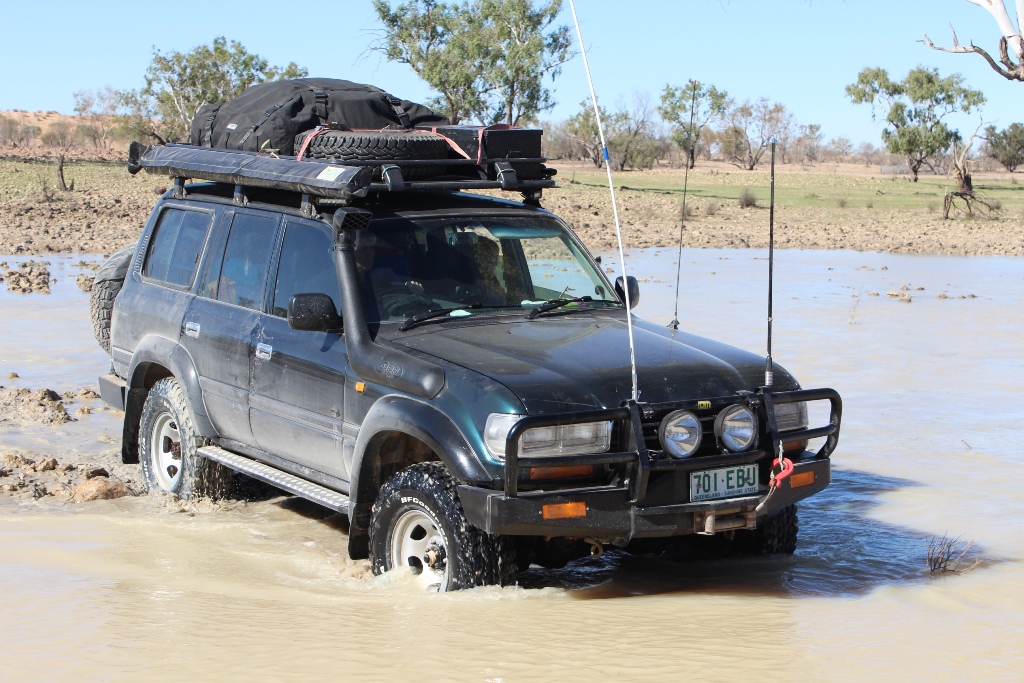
<point x="326" y="182"/>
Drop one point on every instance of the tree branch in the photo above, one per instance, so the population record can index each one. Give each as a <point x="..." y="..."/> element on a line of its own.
<point x="1016" y="75"/>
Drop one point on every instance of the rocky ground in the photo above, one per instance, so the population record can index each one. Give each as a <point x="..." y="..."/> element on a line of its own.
<point x="835" y="207"/>
<point x="30" y="475"/>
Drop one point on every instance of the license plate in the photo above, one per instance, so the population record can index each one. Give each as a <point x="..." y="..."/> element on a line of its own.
<point x="726" y="482"/>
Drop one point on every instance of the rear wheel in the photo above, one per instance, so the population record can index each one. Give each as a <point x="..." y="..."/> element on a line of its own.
<point x="418" y="522"/>
<point x="168" y="448"/>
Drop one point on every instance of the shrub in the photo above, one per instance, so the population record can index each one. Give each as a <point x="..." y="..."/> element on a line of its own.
<point x="841" y="202"/>
<point x="711" y="208"/>
<point x="746" y="198"/>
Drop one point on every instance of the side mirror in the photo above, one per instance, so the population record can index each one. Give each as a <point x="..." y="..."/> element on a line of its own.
<point x="634" y="290"/>
<point x="314" y="312"/>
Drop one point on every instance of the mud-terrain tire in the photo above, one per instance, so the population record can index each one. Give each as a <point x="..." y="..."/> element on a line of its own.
<point x="384" y="145"/>
<point x="105" y="288"/>
<point x="168" y="448"/>
<point x="420" y="506"/>
<point x="775" y="535"/>
<point x="101" y="306"/>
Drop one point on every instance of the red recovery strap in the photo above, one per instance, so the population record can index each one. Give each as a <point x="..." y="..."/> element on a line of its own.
<point x="305" y="143"/>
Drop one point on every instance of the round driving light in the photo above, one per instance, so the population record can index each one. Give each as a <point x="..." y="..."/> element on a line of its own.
<point x="680" y="433"/>
<point x="736" y="426"/>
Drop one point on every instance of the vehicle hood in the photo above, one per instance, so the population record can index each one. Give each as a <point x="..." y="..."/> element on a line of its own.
<point x="581" y="362"/>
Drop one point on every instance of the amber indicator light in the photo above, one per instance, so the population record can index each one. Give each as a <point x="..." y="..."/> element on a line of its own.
<point x="802" y="479"/>
<point x="360" y="387"/>
<point x="564" y="510"/>
<point x="561" y="472"/>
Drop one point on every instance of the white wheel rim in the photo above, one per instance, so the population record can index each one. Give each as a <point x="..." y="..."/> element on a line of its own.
<point x="165" y="450"/>
<point x="417" y="543"/>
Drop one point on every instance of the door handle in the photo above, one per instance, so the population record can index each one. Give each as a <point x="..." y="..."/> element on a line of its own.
<point x="192" y="330"/>
<point x="264" y="351"/>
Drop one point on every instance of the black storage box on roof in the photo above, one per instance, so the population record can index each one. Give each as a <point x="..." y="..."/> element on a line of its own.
<point x="496" y="143"/>
<point x="268" y="116"/>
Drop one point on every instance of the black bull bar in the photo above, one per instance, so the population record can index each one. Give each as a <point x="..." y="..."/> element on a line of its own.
<point x="631" y="509"/>
<point x="638" y="457"/>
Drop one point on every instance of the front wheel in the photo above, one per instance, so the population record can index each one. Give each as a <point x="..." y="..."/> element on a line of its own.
<point x="418" y="522"/>
<point x="168" y="448"/>
<point x="774" y="535"/>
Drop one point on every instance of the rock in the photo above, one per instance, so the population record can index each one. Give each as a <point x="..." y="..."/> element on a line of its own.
<point x="43" y="406"/>
<point x="84" y="282"/>
<point x="84" y="410"/>
<point x="99" y="488"/>
<point x="46" y="465"/>
<point x="68" y="394"/>
<point x="4" y="473"/>
<point x="87" y="393"/>
<point x="13" y="460"/>
<point x="13" y="375"/>
<point x="66" y="468"/>
<point x="93" y="472"/>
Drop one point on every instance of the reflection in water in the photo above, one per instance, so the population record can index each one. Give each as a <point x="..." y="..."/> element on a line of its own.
<point x="261" y="588"/>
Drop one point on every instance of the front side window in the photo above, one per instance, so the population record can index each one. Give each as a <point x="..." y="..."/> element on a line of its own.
<point x="306" y="267"/>
<point x="502" y="263"/>
<point x="243" y="274"/>
<point x="177" y="246"/>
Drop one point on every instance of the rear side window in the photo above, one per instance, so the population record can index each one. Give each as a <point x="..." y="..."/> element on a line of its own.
<point x="306" y="267"/>
<point x="247" y="260"/>
<point x="177" y="246"/>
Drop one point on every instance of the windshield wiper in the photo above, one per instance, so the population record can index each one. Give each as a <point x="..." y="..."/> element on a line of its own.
<point x="427" y="315"/>
<point x="552" y="304"/>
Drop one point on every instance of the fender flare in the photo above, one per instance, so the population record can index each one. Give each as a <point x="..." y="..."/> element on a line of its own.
<point x="160" y="351"/>
<point x="416" y="418"/>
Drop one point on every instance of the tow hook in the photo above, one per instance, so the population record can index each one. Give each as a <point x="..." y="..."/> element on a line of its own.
<point x="435" y="556"/>
<point x="596" y="547"/>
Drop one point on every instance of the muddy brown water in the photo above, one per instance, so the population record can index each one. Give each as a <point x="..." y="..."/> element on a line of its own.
<point x="149" y="588"/>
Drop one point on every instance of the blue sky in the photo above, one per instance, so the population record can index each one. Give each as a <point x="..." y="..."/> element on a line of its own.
<point x="798" y="52"/>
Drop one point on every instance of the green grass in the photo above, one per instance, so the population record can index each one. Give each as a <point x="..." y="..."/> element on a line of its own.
<point x="795" y="189"/>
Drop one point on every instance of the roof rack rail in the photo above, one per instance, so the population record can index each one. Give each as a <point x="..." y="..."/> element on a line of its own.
<point x="325" y="181"/>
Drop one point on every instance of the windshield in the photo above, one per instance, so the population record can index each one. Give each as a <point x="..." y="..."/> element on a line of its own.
<point x="472" y="265"/>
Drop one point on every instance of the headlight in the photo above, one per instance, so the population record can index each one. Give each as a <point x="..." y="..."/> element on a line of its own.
<point x="589" y="437"/>
<point x="736" y="426"/>
<point x="790" y="416"/>
<point x="680" y="433"/>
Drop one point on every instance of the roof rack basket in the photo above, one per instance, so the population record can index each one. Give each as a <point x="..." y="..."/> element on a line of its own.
<point x="334" y="182"/>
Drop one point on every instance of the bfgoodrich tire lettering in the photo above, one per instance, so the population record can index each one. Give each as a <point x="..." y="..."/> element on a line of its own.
<point x="425" y="495"/>
<point x="168" y="445"/>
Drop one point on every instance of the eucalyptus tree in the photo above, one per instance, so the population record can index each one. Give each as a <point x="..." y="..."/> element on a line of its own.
<point x="915" y="109"/>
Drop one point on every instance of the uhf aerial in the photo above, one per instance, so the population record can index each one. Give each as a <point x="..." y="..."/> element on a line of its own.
<point x="615" y="207"/>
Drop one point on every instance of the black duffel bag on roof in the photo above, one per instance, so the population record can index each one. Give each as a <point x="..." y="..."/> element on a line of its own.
<point x="268" y="116"/>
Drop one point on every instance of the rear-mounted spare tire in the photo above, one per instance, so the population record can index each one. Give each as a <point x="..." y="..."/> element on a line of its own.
<point x="380" y="145"/>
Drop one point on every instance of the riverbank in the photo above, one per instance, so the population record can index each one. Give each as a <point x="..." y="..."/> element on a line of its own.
<point x="834" y="206"/>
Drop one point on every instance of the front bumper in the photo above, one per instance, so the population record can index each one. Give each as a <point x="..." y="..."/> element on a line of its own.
<point x="652" y="499"/>
<point x="610" y="515"/>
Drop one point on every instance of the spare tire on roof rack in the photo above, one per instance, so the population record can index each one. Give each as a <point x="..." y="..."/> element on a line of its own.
<point x="404" y="147"/>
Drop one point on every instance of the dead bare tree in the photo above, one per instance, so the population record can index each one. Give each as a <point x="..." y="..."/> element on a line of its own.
<point x="1010" y="67"/>
<point x="64" y="186"/>
<point x="965" y="186"/>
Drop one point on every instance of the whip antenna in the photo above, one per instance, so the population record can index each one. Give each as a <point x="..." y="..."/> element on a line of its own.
<point x="615" y="207"/>
<point x="682" y="218"/>
<point x="771" y="270"/>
